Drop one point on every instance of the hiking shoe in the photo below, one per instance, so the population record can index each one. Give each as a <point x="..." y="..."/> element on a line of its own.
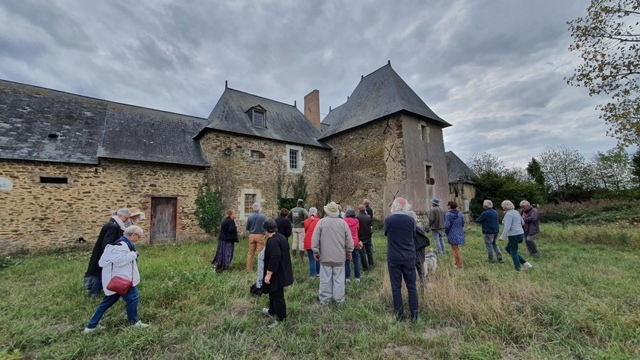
<point x="92" y="330"/>
<point x="348" y="281"/>
<point x="526" y="266"/>
<point x="273" y="326"/>
<point x="266" y="311"/>
<point x="140" y="324"/>
<point x="357" y="280"/>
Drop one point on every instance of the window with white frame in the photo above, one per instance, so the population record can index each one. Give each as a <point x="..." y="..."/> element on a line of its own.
<point x="293" y="158"/>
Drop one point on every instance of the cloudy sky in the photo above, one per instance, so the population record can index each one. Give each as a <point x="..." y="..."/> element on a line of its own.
<point x="494" y="69"/>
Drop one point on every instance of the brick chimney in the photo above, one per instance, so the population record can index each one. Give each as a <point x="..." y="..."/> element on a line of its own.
<point x="312" y="107"/>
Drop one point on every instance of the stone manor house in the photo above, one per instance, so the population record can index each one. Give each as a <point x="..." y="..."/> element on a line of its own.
<point x="67" y="160"/>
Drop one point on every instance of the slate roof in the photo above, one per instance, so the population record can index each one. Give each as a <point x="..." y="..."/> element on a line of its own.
<point x="47" y="125"/>
<point x="284" y="122"/>
<point x="379" y="94"/>
<point x="135" y="133"/>
<point x="457" y="170"/>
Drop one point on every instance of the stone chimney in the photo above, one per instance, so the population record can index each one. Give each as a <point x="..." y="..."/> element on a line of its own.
<point x="312" y="108"/>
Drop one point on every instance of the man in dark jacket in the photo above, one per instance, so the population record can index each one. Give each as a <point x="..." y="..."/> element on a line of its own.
<point x="401" y="258"/>
<point x="531" y="227"/>
<point x="277" y="272"/>
<point x="111" y="231"/>
<point x="364" y="235"/>
<point x="490" y="230"/>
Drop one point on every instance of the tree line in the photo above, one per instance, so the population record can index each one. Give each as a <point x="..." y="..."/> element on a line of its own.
<point x="557" y="175"/>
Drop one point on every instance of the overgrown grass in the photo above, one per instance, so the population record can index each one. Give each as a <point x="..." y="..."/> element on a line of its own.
<point x="579" y="301"/>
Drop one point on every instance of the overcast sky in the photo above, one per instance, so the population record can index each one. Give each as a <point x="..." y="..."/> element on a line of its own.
<point x="493" y="69"/>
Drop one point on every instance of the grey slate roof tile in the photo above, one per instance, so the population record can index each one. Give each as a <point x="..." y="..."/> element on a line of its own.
<point x="379" y="94"/>
<point x="135" y="133"/>
<point x="284" y="122"/>
<point x="47" y="125"/>
<point x="457" y="170"/>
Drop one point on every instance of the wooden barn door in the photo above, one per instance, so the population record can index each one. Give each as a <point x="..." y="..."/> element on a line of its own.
<point x="164" y="213"/>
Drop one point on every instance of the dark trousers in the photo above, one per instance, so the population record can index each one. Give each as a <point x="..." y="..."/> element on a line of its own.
<point x="277" y="305"/>
<point x="532" y="247"/>
<point x="397" y="272"/>
<point x="512" y="248"/>
<point x="366" y="255"/>
<point x="420" y="266"/>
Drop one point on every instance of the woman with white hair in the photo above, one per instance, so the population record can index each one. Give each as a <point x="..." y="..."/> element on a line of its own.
<point x="120" y="259"/>
<point x="514" y="231"/>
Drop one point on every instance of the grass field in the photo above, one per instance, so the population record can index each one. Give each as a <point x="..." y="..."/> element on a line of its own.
<point x="580" y="301"/>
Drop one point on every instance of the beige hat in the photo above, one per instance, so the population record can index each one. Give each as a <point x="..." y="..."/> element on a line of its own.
<point x="332" y="209"/>
<point x="138" y="213"/>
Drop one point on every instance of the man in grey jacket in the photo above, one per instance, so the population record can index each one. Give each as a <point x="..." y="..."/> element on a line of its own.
<point x="332" y="244"/>
<point x="436" y="224"/>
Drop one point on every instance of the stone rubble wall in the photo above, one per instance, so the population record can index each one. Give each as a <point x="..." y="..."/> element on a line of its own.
<point x="38" y="217"/>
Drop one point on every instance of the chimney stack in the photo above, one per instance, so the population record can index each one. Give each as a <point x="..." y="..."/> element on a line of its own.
<point x="312" y="107"/>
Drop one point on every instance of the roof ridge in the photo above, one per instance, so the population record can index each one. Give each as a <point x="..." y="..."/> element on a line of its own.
<point x="262" y="97"/>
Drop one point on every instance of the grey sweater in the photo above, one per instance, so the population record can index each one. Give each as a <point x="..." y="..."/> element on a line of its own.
<point x="512" y="224"/>
<point x="332" y="241"/>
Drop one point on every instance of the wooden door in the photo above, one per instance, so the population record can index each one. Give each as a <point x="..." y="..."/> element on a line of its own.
<point x="164" y="214"/>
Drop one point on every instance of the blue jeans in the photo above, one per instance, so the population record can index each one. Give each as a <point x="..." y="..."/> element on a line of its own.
<point x="438" y="238"/>
<point x="131" y="300"/>
<point x="355" y="254"/>
<point x="512" y="248"/>
<point x="314" y="266"/>
<point x="406" y="271"/>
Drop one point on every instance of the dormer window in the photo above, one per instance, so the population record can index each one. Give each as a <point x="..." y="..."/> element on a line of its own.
<point x="259" y="117"/>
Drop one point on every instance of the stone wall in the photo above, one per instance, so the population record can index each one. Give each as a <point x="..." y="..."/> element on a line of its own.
<point x="368" y="162"/>
<point x="234" y="169"/>
<point x="424" y="148"/>
<point x="39" y="216"/>
<point x="386" y="159"/>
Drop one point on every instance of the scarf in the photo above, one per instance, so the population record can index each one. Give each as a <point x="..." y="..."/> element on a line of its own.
<point x="124" y="239"/>
<point x="119" y="222"/>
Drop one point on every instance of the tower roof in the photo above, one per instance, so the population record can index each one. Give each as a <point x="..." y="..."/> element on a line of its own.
<point x="379" y="94"/>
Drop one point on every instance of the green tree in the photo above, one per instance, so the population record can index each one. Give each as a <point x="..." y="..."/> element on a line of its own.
<point x="635" y="167"/>
<point x="484" y="163"/>
<point x="612" y="169"/>
<point x="535" y="172"/>
<point x="607" y="40"/>
<point x="498" y="187"/>
<point x="208" y="209"/>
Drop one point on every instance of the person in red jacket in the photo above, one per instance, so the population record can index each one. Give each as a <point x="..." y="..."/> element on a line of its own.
<point x="354" y="225"/>
<point x="310" y="225"/>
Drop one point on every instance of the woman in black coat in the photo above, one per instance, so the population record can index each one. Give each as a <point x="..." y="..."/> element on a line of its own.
<point x="226" y="242"/>
<point x="277" y="272"/>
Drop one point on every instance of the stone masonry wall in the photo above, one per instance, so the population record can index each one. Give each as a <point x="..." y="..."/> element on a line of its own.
<point x="368" y="162"/>
<point x="39" y="216"/>
<point x="238" y="171"/>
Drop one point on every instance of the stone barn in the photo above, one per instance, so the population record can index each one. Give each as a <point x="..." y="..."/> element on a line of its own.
<point x="67" y="161"/>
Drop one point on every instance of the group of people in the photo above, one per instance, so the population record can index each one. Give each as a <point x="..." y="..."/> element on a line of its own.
<point x="517" y="227"/>
<point x="331" y="243"/>
<point x="115" y="255"/>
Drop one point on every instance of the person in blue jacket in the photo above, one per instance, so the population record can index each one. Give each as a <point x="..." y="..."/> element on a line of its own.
<point x="490" y="229"/>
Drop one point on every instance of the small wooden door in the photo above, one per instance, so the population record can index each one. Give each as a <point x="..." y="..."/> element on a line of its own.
<point x="164" y="214"/>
